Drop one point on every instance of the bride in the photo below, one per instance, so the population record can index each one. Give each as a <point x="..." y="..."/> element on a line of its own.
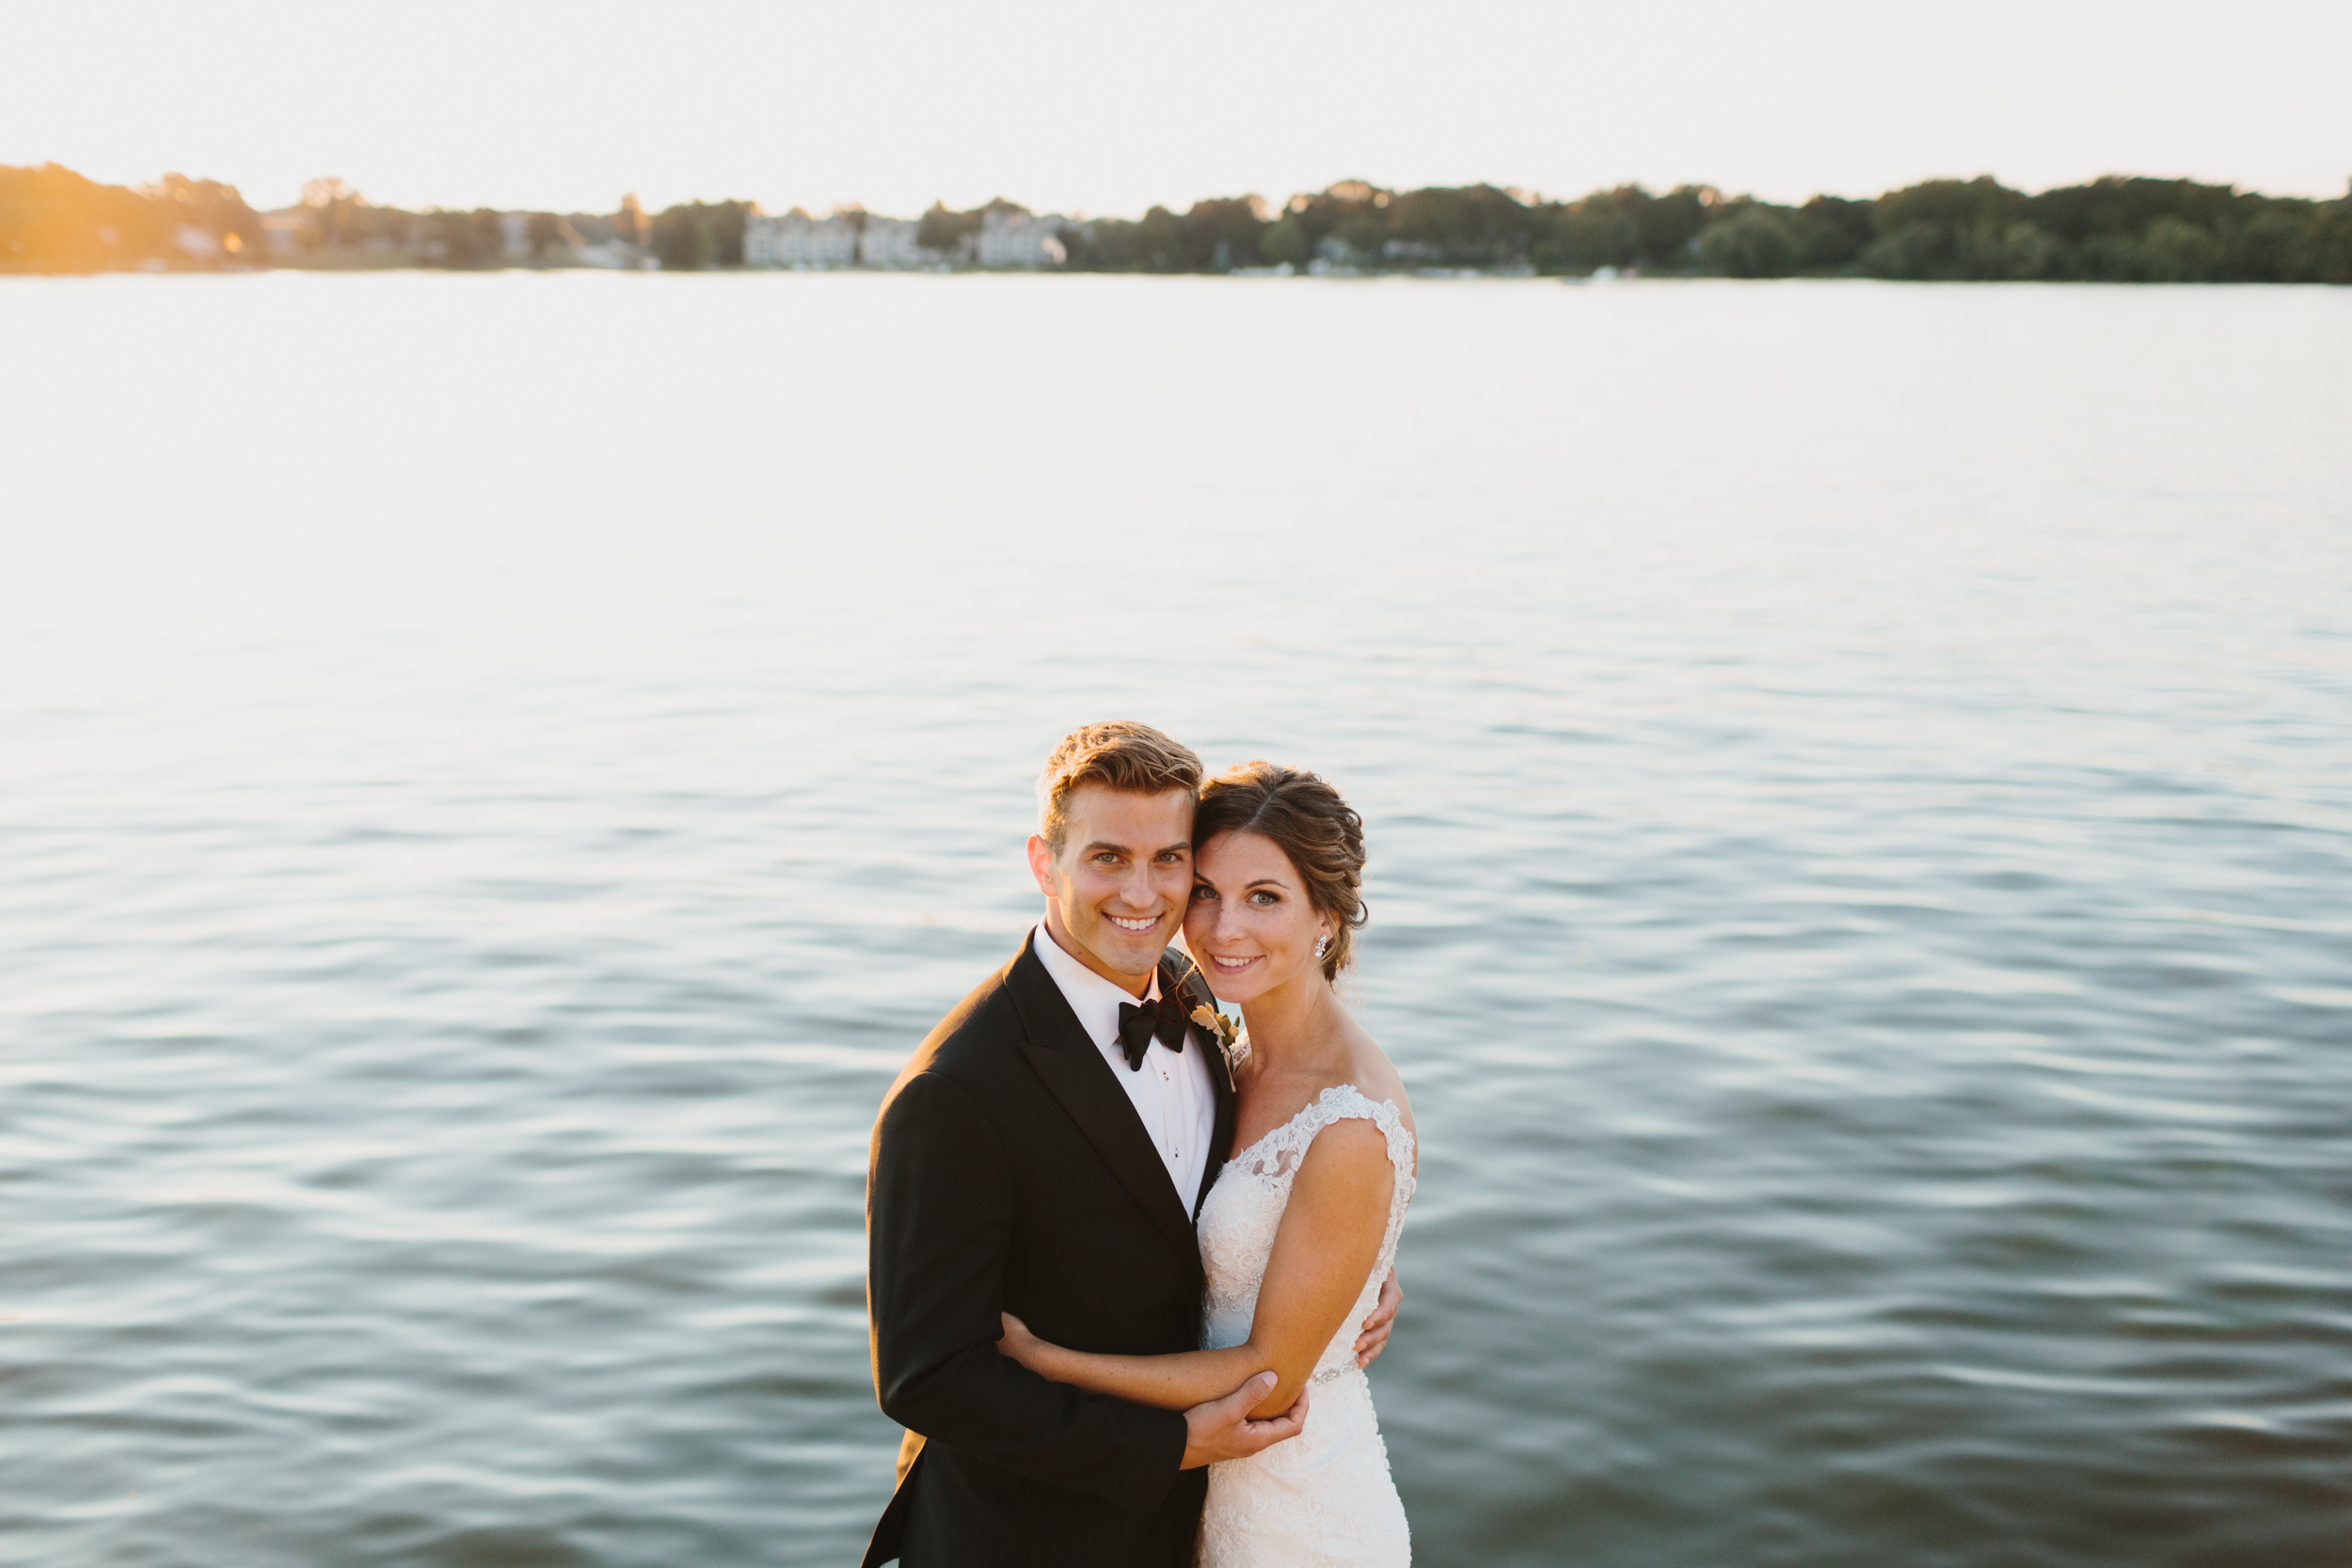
<point x="1301" y="1224"/>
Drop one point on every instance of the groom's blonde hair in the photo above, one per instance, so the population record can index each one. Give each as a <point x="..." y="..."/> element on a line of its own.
<point x="1123" y="755"/>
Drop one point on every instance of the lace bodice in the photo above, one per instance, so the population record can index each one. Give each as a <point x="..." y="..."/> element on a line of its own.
<point x="1245" y="1210"/>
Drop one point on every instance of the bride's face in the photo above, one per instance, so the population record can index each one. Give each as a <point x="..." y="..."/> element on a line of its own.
<point x="1251" y="926"/>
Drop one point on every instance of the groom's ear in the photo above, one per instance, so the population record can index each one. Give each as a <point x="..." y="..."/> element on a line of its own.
<point x="1042" y="864"/>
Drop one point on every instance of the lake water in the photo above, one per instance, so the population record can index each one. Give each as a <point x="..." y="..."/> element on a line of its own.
<point x="496" y="773"/>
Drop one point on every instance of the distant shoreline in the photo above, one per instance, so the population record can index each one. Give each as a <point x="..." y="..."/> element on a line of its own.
<point x="2117" y="230"/>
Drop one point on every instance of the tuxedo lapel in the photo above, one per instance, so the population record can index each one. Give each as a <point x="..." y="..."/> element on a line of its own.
<point x="1180" y="971"/>
<point x="1074" y="1071"/>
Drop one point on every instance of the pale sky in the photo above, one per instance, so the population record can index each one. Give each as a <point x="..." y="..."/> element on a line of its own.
<point x="1103" y="108"/>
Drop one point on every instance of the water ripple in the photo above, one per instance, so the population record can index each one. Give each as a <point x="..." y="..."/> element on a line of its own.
<point x="1858" y="885"/>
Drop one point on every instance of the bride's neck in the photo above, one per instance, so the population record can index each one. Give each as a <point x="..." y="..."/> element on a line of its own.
<point x="1289" y="1024"/>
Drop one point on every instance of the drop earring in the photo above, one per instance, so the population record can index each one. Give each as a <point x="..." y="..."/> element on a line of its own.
<point x="1323" y="944"/>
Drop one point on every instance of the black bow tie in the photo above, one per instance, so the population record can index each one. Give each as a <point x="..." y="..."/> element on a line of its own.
<point x="1138" y="1026"/>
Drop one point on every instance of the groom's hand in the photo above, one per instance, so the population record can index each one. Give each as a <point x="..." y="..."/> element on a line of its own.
<point x="1374" y="1338"/>
<point x="1222" y="1428"/>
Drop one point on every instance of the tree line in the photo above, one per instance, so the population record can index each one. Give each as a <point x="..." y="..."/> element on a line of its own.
<point x="54" y="220"/>
<point x="2120" y="229"/>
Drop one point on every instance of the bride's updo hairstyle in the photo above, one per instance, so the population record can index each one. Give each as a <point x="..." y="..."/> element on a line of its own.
<point x="1308" y="821"/>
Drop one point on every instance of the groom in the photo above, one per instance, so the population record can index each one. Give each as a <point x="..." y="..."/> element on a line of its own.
<point x="1045" y="1153"/>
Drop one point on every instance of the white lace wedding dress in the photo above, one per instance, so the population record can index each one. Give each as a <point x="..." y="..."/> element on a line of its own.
<point x="1324" y="1499"/>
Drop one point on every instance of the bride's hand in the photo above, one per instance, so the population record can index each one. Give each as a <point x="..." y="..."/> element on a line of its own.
<point x="1374" y="1338"/>
<point x="1019" y="1344"/>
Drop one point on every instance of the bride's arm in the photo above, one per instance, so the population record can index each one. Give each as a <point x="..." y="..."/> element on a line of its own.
<point x="1330" y="1234"/>
<point x="1176" y="1382"/>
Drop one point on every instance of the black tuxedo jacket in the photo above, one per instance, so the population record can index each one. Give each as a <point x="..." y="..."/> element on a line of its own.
<point x="1009" y="1172"/>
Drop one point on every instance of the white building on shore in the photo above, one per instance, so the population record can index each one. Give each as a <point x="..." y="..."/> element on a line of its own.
<point x="890" y="243"/>
<point x="1020" y="240"/>
<point x="794" y="239"/>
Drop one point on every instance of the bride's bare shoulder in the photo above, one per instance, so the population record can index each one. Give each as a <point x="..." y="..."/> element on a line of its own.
<point x="1370" y="1070"/>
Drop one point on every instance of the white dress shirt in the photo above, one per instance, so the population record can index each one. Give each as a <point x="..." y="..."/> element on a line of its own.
<point x="1172" y="1093"/>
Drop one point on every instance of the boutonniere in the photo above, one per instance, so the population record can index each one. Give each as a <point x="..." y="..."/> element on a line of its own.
<point x="1223" y="1029"/>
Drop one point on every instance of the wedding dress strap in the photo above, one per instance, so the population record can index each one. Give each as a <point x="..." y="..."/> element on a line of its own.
<point x="1279" y="1151"/>
<point x="1347" y="1102"/>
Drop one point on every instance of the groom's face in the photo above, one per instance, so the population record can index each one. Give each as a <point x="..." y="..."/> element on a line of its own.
<point x="1119" y="885"/>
